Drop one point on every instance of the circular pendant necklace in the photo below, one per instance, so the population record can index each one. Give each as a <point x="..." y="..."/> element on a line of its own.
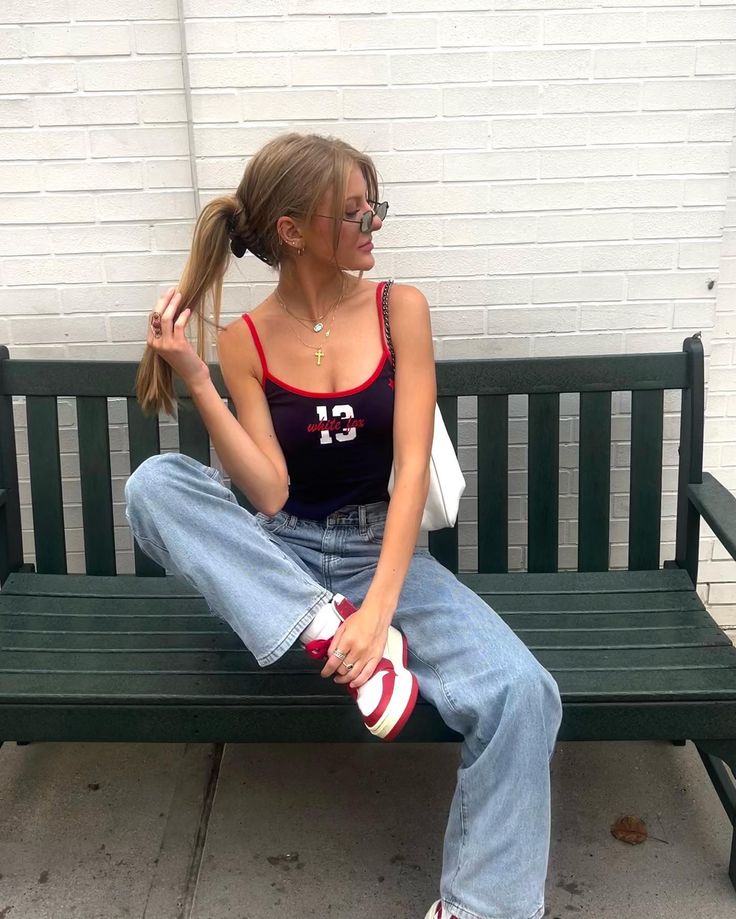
<point x="319" y="353"/>
<point x="317" y="325"/>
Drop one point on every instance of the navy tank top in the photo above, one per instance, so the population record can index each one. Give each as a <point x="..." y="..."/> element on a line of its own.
<point x="338" y="446"/>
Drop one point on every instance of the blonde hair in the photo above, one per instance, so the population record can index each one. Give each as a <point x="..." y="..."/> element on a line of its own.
<point x="288" y="176"/>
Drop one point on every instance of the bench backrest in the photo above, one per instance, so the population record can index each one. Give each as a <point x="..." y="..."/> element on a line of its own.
<point x="595" y="378"/>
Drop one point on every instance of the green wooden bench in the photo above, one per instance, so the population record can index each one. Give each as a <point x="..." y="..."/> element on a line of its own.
<point x="121" y="657"/>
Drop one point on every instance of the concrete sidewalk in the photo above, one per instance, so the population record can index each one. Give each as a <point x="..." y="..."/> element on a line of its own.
<point x="265" y="831"/>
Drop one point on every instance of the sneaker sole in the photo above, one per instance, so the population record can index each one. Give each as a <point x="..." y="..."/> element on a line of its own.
<point x="406" y="690"/>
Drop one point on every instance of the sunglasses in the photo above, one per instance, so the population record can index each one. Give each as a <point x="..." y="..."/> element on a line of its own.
<point x="366" y="221"/>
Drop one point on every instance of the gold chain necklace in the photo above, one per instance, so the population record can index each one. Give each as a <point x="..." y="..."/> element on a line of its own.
<point x="318" y="325"/>
<point x="319" y="353"/>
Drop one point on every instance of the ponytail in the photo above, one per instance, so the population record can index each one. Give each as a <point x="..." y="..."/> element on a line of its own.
<point x="203" y="273"/>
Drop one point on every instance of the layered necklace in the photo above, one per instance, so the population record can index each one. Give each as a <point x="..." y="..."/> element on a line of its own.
<point x="315" y="326"/>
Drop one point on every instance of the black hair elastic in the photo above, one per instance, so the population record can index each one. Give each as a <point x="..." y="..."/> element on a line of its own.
<point x="237" y="243"/>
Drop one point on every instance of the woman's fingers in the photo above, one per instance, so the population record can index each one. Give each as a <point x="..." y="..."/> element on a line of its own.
<point x="169" y="311"/>
<point x="343" y="675"/>
<point x="357" y="680"/>
<point x="182" y="319"/>
<point x="333" y="662"/>
<point x="161" y="320"/>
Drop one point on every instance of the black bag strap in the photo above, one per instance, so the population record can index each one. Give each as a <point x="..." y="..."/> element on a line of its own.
<point x="386" y="288"/>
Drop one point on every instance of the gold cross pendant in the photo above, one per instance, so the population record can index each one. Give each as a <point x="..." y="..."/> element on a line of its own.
<point x="319" y="354"/>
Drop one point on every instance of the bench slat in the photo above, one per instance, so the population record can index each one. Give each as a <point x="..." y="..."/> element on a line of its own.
<point x="144" y="440"/>
<point x="493" y="484"/>
<point x="594" y="488"/>
<point x="573" y="373"/>
<point x="277" y="687"/>
<point x="543" y="481"/>
<point x="194" y="439"/>
<point x="128" y="585"/>
<point x="645" y="498"/>
<point x="95" y="484"/>
<point x="585" y="602"/>
<point x="221" y="640"/>
<point x="45" y="470"/>
<point x="535" y="636"/>
<point x="240" y="660"/>
<point x="104" y="622"/>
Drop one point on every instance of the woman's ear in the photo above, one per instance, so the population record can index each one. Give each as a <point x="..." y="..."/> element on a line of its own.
<point x="288" y="231"/>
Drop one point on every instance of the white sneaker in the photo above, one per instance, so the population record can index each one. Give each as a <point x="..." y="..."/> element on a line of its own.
<point x="388" y="698"/>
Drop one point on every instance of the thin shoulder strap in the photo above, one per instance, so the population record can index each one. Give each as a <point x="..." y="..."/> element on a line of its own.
<point x="387" y="330"/>
<point x="251" y="325"/>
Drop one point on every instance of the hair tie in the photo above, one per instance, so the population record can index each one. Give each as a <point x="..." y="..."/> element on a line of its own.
<point x="237" y="246"/>
<point x="237" y="243"/>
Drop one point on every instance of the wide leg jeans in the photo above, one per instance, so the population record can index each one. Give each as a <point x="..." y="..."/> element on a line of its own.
<point x="267" y="576"/>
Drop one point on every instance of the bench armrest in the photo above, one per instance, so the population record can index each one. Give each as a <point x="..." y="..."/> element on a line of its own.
<point x="717" y="507"/>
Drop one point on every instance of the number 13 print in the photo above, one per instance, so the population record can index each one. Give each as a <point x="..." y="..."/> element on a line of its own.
<point x="338" y="411"/>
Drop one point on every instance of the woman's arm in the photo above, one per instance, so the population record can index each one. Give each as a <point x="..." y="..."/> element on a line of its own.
<point x="254" y="473"/>
<point x="415" y="396"/>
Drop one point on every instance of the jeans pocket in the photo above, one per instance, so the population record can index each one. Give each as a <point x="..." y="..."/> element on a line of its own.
<point x="374" y="532"/>
<point x="273" y="524"/>
<point x="213" y="473"/>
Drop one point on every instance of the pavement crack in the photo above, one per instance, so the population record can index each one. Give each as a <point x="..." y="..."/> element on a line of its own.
<point x="190" y="886"/>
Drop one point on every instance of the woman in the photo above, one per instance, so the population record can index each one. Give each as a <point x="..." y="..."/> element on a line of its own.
<point x="331" y="561"/>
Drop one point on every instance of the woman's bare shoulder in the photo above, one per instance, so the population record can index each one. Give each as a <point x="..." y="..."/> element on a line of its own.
<point x="236" y="347"/>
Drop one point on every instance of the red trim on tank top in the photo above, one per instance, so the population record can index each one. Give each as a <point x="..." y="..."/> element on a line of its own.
<point x="267" y="375"/>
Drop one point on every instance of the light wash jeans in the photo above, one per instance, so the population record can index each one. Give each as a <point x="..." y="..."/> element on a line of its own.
<point x="470" y="665"/>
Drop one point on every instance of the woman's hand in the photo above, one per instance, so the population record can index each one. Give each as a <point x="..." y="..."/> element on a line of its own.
<point x="362" y="636"/>
<point x="171" y="343"/>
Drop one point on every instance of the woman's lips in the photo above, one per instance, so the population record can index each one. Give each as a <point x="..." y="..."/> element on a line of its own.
<point x="368" y="245"/>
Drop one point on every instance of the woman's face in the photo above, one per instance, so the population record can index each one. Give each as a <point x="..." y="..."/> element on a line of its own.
<point x="352" y="251"/>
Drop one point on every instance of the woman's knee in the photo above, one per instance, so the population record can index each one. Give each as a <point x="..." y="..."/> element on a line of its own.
<point x="528" y="691"/>
<point x="534" y="682"/>
<point x="537" y="691"/>
<point x="158" y="475"/>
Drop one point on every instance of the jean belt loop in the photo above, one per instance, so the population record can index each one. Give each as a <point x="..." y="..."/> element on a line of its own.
<point x="292" y="521"/>
<point x="362" y="519"/>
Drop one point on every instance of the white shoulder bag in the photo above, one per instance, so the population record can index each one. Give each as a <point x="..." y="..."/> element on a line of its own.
<point x="446" y="480"/>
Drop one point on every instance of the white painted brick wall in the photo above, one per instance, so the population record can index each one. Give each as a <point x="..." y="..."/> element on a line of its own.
<point x="562" y="181"/>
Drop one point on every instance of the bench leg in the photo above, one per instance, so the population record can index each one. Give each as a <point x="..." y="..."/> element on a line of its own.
<point x="714" y="754"/>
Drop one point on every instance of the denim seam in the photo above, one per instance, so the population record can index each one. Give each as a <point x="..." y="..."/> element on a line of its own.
<point x="142" y="539"/>
<point x="296" y="630"/>
<point x="463" y="827"/>
<point x="453" y="907"/>
<point x="275" y="530"/>
<point x="443" y="685"/>
<point x="372" y="537"/>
